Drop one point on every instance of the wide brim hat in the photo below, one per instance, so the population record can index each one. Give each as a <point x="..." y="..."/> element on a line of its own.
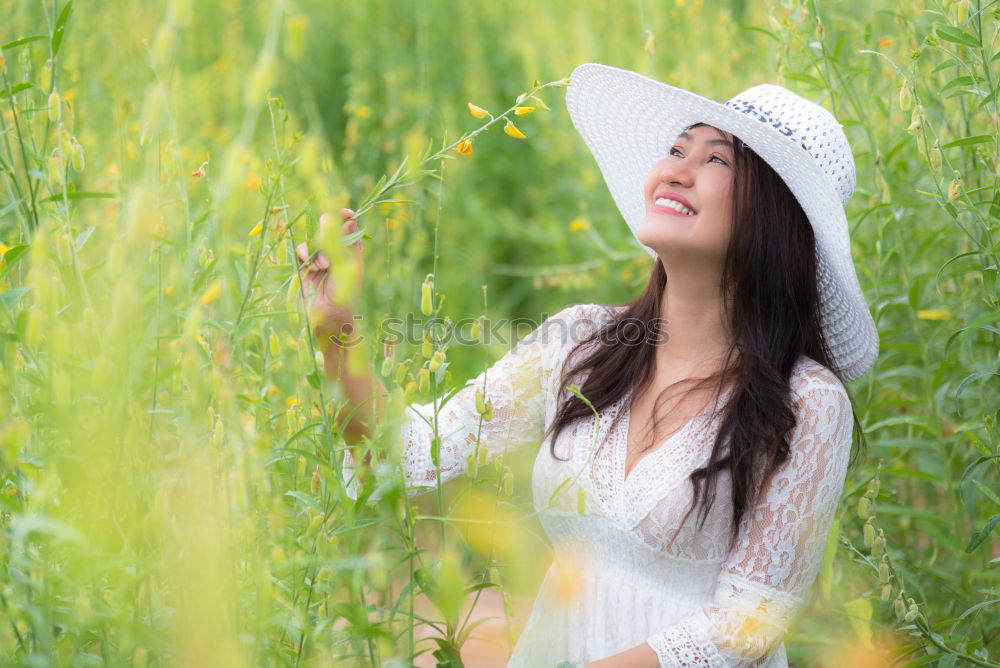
<point x="629" y="122"/>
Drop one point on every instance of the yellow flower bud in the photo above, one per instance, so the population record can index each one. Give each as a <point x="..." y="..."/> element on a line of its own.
<point x="523" y="111"/>
<point x="55" y="106"/>
<point x="511" y="130"/>
<point x="436" y="361"/>
<point x="274" y="344"/>
<point x="427" y="348"/>
<point x="255" y="230"/>
<point x="464" y="147"/>
<point x="478" y="112"/>
<point x="425" y="379"/>
<point x="401" y="370"/>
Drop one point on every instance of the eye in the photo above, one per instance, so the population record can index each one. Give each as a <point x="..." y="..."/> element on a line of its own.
<point x="721" y="161"/>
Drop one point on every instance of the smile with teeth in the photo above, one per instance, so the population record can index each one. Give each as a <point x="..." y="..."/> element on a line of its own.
<point x="675" y="205"/>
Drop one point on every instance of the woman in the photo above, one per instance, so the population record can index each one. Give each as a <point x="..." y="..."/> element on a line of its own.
<point x="720" y="389"/>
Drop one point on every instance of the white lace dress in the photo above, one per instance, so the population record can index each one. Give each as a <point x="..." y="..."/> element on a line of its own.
<point x="695" y="604"/>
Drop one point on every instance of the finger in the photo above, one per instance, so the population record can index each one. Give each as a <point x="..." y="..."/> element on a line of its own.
<point x="322" y="262"/>
<point x="347" y="213"/>
<point x="302" y="251"/>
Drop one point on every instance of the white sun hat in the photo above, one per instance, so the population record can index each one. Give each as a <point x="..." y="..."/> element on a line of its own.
<point x="630" y="121"/>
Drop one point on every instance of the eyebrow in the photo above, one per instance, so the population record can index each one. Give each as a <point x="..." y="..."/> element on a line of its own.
<point x="710" y="142"/>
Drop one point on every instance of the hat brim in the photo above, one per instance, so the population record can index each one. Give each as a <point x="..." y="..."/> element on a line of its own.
<point x="629" y="121"/>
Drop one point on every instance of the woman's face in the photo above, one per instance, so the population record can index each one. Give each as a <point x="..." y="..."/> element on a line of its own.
<point x="698" y="169"/>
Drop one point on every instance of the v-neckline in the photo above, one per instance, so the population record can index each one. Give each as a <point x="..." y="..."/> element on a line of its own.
<point x="622" y="453"/>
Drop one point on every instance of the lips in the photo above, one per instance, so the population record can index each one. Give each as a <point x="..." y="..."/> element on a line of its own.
<point x="673" y="196"/>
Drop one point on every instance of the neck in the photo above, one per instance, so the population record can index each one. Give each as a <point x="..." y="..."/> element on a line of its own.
<point x="693" y="306"/>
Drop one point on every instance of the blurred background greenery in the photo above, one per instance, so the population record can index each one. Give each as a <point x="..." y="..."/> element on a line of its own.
<point x="169" y="481"/>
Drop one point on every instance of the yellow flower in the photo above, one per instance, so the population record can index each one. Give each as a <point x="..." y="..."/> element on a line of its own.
<point x="211" y="294"/>
<point x="579" y="225"/>
<point x="523" y="111"/>
<point x="885" y="42"/>
<point x="253" y="182"/>
<point x="933" y="314"/>
<point x="256" y="229"/>
<point x="464" y="147"/>
<point x="512" y="131"/>
<point x="478" y="112"/>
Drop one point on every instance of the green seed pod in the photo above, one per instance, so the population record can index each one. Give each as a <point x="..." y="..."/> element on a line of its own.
<point x="480" y="405"/>
<point x="409" y="391"/>
<point x="401" y="370"/>
<point x="905" y="97"/>
<point x="471" y="464"/>
<point x="873" y="487"/>
<point x="427" y="295"/>
<point x="436" y="361"/>
<point x="886" y="593"/>
<point x="55" y="106"/>
<point x="475" y="329"/>
<point x="301" y="464"/>
<point x="488" y="413"/>
<point x="274" y="344"/>
<point x="878" y="545"/>
<point x="314" y="525"/>
<point x="864" y="507"/>
<point x="508" y="481"/>
<point x="869" y="532"/>
<point x="954" y="189"/>
<point x="911" y="612"/>
<point x="387" y="367"/>
<point x="899" y="608"/>
<point x="883" y="570"/>
<point x="427" y="348"/>
<point x="483" y="453"/>
<point x="314" y="482"/>
<point x="79" y="159"/>
<point x="324" y="575"/>
<point x="581" y="501"/>
<point x="425" y="379"/>
<point x="935" y="156"/>
<point x="916" y="120"/>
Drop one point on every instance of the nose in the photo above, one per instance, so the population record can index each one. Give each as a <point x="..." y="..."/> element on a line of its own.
<point x="676" y="172"/>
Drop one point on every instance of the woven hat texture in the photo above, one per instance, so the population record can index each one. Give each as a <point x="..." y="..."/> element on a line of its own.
<point x="629" y="121"/>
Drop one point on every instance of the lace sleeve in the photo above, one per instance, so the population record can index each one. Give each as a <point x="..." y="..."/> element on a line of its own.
<point x="766" y="578"/>
<point x="516" y="385"/>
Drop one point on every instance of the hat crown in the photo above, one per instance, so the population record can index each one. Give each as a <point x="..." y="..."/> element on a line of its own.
<point x="807" y="124"/>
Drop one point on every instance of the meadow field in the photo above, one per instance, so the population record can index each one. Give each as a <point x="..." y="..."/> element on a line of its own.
<point x="171" y="487"/>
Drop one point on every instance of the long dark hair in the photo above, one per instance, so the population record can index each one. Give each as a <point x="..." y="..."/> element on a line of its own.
<point x="769" y="283"/>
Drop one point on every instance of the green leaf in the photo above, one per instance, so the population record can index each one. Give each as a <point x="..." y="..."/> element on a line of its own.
<point x="805" y="78"/>
<point x="943" y="65"/>
<point x="306" y="500"/>
<point x="969" y="141"/>
<point x="11" y="297"/>
<point x="60" y="29"/>
<point x="21" y="42"/>
<point x="959" y="81"/>
<point x="78" y="194"/>
<point x="16" y="88"/>
<point x="980" y="536"/>
<point x="957" y="36"/>
<point x="987" y="492"/>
